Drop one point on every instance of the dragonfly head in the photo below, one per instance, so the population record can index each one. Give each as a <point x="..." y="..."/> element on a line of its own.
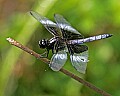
<point x="43" y="43"/>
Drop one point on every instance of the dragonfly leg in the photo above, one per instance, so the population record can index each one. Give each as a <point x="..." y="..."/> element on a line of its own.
<point x="45" y="54"/>
<point x="55" y="48"/>
<point x="53" y="51"/>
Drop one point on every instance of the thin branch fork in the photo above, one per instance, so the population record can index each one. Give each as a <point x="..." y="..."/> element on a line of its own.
<point x="47" y="61"/>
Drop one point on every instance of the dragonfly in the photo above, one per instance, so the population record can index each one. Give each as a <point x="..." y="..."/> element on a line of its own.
<point x="66" y="39"/>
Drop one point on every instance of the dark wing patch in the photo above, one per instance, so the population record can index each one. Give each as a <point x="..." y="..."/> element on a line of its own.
<point x="48" y="24"/>
<point x="67" y="30"/>
<point x="74" y="48"/>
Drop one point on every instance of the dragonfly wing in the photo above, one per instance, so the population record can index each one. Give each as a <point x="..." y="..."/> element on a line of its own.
<point x="79" y="61"/>
<point x="48" y="24"/>
<point x="66" y="28"/>
<point x="58" y="60"/>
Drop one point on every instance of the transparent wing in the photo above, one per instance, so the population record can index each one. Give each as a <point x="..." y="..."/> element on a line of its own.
<point x="48" y="24"/>
<point x="66" y="28"/>
<point x="58" y="60"/>
<point x="79" y="61"/>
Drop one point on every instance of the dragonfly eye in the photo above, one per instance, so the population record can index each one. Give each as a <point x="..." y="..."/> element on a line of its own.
<point x="43" y="43"/>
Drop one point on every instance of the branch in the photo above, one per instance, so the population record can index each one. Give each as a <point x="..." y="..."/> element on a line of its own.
<point x="26" y="49"/>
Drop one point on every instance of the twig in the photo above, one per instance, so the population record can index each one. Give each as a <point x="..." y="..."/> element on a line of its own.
<point x="26" y="49"/>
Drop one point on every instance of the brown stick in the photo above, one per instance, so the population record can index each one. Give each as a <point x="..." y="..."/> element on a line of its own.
<point x="26" y="49"/>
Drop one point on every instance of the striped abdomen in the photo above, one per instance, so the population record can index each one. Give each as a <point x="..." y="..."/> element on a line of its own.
<point x="89" y="39"/>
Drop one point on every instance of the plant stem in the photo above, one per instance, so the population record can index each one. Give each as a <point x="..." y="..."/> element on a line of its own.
<point x="75" y="77"/>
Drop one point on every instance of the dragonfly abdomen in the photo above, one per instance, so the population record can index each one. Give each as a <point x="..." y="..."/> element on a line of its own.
<point x="89" y="39"/>
<point x="98" y="37"/>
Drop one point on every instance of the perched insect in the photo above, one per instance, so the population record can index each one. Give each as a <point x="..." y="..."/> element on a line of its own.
<point x="66" y="39"/>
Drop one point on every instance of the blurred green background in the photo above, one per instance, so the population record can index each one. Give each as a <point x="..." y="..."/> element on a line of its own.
<point x="23" y="75"/>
